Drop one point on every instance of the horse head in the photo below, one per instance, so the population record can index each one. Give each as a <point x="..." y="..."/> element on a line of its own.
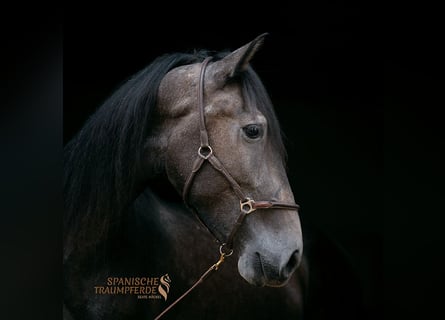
<point x="244" y="135"/>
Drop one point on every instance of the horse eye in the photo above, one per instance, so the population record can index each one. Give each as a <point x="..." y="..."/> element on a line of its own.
<point x="253" y="131"/>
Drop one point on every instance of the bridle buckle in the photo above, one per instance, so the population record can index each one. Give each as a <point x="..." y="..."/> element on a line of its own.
<point x="205" y="152"/>
<point x="246" y="206"/>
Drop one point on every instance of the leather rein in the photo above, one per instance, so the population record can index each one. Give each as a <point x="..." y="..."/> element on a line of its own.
<point x="247" y="205"/>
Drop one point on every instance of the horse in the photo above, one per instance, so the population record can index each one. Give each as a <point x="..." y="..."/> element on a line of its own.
<point x="181" y="168"/>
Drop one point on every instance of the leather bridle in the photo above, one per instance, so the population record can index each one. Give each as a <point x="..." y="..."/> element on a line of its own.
<point x="247" y="204"/>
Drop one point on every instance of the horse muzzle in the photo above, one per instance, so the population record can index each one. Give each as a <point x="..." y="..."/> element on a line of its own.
<point x="269" y="269"/>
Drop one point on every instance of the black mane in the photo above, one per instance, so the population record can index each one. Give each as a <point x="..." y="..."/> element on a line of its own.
<point x="102" y="161"/>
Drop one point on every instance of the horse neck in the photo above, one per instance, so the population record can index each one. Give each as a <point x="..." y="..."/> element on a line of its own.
<point x="170" y="233"/>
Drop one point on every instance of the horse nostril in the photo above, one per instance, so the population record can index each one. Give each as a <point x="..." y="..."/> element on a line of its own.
<point x="291" y="264"/>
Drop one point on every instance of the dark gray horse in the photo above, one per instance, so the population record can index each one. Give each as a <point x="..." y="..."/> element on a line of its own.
<point x="134" y="209"/>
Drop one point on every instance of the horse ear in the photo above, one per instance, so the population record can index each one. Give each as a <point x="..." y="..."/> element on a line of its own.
<point x="238" y="60"/>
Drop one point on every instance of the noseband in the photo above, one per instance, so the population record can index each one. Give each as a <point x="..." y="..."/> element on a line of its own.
<point x="247" y="204"/>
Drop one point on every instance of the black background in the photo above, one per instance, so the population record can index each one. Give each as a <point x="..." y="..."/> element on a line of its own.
<point x="321" y="67"/>
<point x="354" y="88"/>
